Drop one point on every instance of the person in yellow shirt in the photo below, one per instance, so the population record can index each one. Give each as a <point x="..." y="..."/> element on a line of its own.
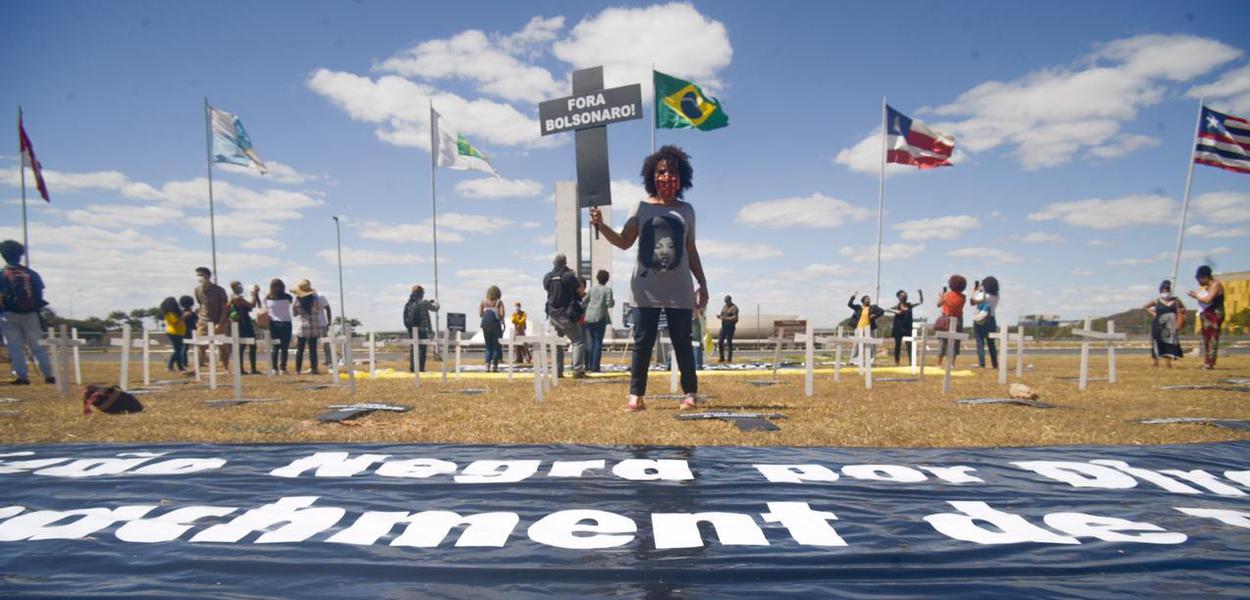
<point x="176" y="329"/>
<point x="519" y="320"/>
<point x="864" y="317"/>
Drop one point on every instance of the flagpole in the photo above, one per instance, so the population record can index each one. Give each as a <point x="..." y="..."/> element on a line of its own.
<point x="208" y="154"/>
<point x="1189" y="179"/>
<point x="655" y="110"/>
<point x="434" y="206"/>
<point x="22" y="168"/>
<point x="876" y="294"/>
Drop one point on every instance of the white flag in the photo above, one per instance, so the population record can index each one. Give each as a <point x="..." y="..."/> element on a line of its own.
<point x="452" y="150"/>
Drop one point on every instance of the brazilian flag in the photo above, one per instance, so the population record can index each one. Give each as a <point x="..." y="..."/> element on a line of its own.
<point x="680" y="104"/>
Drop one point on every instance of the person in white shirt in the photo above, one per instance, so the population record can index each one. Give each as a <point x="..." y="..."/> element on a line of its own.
<point x="278" y="305"/>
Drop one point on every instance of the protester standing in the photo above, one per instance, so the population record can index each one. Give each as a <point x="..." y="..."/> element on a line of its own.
<point x="1210" y="297"/>
<point x="519" y="323"/>
<point x="564" y="310"/>
<point x="21" y="299"/>
<point x="664" y="227"/>
<point x="903" y="321"/>
<point x="598" y="307"/>
<point x="213" y="309"/>
<point x="728" y="325"/>
<point x="984" y="321"/>
<point x="176" y="330"/>
<point x="241" y="312"/>
<point x="278" y="304"/>
<point x="314" y="313"/>
<point x="491" y="312"/>
<point x="1167" y="317"/>
<point x="864" y="316"/>
<point x="417" y="316"/>
<point x="190" y="320"/>
<point x="951" y="303"/>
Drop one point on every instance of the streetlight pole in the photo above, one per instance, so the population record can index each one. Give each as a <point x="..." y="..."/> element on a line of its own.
<point x="338" y="237"/>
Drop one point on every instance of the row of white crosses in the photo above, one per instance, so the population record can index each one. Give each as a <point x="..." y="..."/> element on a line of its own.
<point x="544" y="351"/>
<point x="1004" y="338"/>
<point x="1089" y="336"/>
<point x="866" y="343"/>
<point x="127" y="343"/>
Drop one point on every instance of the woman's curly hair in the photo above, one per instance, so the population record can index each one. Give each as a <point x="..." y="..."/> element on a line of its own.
<point x="675" y="157"/>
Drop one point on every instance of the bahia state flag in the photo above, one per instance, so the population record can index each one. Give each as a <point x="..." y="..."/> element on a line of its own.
<point x="450" y="149"/>
<point x="1223" y="141"/>
<point x="231" y="143"/>
<point x="911" y="142"/>
<point x="680" y="104"/>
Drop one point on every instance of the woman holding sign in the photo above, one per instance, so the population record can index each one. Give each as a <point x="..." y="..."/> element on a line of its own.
<point x="664" y="227"/>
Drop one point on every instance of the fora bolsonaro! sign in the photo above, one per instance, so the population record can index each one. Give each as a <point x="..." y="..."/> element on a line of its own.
<point x="592" y="109"/>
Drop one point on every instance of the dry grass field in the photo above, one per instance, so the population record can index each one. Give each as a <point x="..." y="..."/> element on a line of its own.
<point x="893" y="414"/>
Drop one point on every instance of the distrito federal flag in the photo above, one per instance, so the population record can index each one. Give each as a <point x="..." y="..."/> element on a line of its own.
<point x="452" y="150"/>
<point x="680" y="104"/>
<point x="29" y="160"/>
<point x="1223" y="141"/>
<point x="231" y="143"/>
<point x="911" y="142"/>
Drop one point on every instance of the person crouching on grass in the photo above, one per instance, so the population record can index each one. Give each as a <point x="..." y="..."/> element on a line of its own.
<point x="664" y="227"/>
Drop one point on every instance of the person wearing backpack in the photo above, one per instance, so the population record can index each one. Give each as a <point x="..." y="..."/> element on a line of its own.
<point x="417" y="316"/>
<point x="492" y="312"/>
<point x="21" y="299"/>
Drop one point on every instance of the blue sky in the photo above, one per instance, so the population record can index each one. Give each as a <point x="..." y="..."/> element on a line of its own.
<point x="1074" y="124"/>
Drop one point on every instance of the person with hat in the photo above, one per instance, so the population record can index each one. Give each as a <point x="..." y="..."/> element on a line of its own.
<point x="1210" y="297"/>
<point x="213" y="308"/>
<point x="313" y="311"/>
<point x="417" y="316"/>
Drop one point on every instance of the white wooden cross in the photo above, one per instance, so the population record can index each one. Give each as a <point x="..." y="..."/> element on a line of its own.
<point x="951" y="336"/>
<point x="917" y="341"/>
<point x="460" y="342"/>
<point x="333" y="341"/>
<point x="146" y="343"/>
<point x="544" y="363"/>
<point x="415" y="342"/>
<point x="212" y="341"/>
<point x="1089" y="336"/>
<point x="1004" y="337"/>
<point x="125" y="344"/>
<point x="511" y="342"/>
<point x="1020" y="340"/>
<point x="264" y="347"/>
<point x="76" y="341"/>
<point x="672" y="363"/>
<point x="347" y="358"/>
<point x="237" y="353"/>
<point x="58" y="344"/>
<point x="372" y="346"/>
<point x="838" y="341"/>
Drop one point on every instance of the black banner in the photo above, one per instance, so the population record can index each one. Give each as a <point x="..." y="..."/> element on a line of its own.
<point x="318" y="520"/>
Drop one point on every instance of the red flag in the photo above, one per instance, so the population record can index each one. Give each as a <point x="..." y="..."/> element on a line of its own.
<point x="29" y="160"/>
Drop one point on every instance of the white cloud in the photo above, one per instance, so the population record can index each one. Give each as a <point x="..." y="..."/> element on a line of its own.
<point x="1048" y="115"/>
<point x="940" y="228"/>
<point x="1083" y="272"/>
<point x="717" y="249"/>
<point x="1168" y="255"/>
<point x="474" y="223"/>
<point x="674" y="37"/>
<point x="546" y="240"/>
<point x="263" y="243"/>
<point x="1123" y="144"/>
<point x="111" y="216"/>
<point x="235" y="225"/>
<point x="356" y="257"/>
<point x="277" y="172"/>
<point x="494" y="187"/>
<point x="817" y="211"/>
<point x="401" y="110"/>
<point x="406" y="232"/>
<point x="1223" y="207"/>
<point x="626" y="195"/>
<point x="1207" y="231"/>
<point x="530" y="39"/>
<point x="1099" y="213"/>
<point x="994" y="255"/>
<point x="63" y="182"/>
<point x="473" y="56"/>
<point x="889" y="252"/>
<point x="1100" y="243"/>
<point x="1038" y="237"/>
<point x="531" y="225"/>
<point x="1230" y="92"/>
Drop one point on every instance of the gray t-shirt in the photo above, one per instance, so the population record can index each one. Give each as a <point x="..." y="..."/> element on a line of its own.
<point x="662" y="270"/>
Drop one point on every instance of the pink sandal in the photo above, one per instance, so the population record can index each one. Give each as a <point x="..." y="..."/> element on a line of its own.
<point x="688" y="403"/>
<point x="634" y="404"/>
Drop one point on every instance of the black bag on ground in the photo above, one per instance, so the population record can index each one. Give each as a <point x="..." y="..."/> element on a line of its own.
<point x="111" y="399"/>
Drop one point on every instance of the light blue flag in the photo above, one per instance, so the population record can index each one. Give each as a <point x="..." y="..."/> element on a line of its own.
<point x="231" y="143"/>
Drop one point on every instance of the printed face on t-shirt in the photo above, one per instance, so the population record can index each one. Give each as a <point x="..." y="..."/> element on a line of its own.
<point x="661" y="248"/>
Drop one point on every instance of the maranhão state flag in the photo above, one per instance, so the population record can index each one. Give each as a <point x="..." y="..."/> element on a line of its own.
<point x="29" y="160"/>
<point x="1223" y="141"/>
<point x="911" y="142"/>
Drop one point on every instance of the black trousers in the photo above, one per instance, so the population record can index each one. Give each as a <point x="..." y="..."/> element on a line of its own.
<point x="898" y="345"/>
<point x="311" y="342"/>
<point x="645" y="331"/>
<point x="727" y="339"/>
<point x="280" y="331"/>
<point x="420" y="354"/>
